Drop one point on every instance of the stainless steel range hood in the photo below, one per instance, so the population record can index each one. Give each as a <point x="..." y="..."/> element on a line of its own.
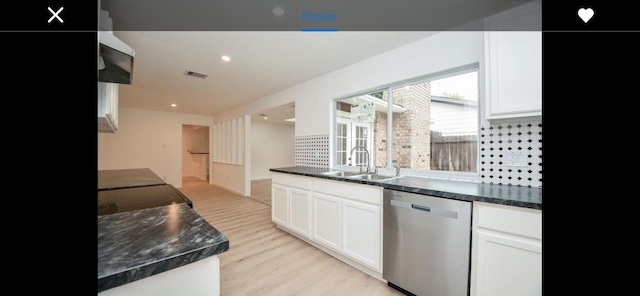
<point x="115" y="58"/>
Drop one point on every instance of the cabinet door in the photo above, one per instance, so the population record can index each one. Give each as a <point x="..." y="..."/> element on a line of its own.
<point x="513" y="63"/>
<point x="508" y="265"/>
<point x="279" y="205"/>
<point x="327" y="220"/>
<point x="361" y="232"/>
<point x="506" y="251"/>
<point x="300" y="211"/>
<point x="107" y="107"/>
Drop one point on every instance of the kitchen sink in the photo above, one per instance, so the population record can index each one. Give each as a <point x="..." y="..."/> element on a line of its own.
<point x="372" y="177"/>
<point x="341" y="174"/>
<point x="359" y="176"/>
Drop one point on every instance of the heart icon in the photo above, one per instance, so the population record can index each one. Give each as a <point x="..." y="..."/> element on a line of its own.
<point x="585" y="14"/>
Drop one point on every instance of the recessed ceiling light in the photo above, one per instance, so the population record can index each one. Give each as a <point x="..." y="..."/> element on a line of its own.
<point x="278" y="11"/>
<point x="291" y="119"/>
<point x="226" y="58"/>
<point x="174" y="105"/>
<point x="264" y="116"/>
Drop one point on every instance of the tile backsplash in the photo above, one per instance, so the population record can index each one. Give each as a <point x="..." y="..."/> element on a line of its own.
<point x="312" y="151"/>
<point x="496" y="139"/>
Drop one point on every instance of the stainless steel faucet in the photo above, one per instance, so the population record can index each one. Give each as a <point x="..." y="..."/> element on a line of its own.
<point x="365" y="150"/>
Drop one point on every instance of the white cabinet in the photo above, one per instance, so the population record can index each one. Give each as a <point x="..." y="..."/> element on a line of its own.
<point x="340" y="218"/>
<point x="506" y="251"/>
<point x="351" y="227"/>
<point x="348" y="218"/>
<point x="513" y="63"/>
<point x="361" y="232"/>
<point x="291" y="203"/>
<point x="327" y="220"/>
<point x="107" y="107"/>
<point x="279" y="205"/>
<point x="300" y="211"/>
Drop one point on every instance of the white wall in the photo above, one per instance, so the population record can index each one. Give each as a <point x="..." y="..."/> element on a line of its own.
<point x="230" y="177"/>
<point x="272" y="146"/>
<point x="148" y="139"/>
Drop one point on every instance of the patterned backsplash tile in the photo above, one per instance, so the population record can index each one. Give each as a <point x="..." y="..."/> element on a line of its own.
<point x="496" y="139"/>
<point x="312" y="151"/>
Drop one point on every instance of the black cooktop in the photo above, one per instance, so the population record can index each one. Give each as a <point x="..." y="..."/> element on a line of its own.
<point x="126" y="178"/>
<point x="136" y="198"/>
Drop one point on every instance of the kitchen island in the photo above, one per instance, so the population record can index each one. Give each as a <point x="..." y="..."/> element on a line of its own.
<point x="166" y="250"/>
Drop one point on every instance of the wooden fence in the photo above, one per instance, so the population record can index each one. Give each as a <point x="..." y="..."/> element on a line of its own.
<point x="454" y="153"/>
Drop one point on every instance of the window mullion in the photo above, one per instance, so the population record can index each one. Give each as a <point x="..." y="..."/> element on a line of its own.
<point x="389" y="128"/>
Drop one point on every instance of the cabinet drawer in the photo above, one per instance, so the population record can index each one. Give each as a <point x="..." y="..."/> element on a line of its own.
<point x="514" y="220"/>
<point x="291" y="181"/>
<point x="364" y="193"/>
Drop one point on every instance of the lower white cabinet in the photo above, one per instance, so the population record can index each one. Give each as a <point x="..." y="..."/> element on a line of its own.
<point x="506" y="251"/>
<point x="300" y="211"/>
<point x="348" y="219"/>
<point x="327" y="220"/>
<point x="291" y="204"/>
<point x="351" y="227"/>
<point x="279" y="204"/>
<point x="341" y="217"/>
<point x="361" y="232"/>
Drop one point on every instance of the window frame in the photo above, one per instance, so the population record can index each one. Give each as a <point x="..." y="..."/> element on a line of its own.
<point x="351" y="140"/>
<point x="390" y="169"/>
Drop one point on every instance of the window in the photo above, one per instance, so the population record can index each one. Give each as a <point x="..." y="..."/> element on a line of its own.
<point x="425" y="126"/>
<point x="354" y="133"/>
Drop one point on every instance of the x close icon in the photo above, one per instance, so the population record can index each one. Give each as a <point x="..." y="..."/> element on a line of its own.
<point x="55" y="14"/>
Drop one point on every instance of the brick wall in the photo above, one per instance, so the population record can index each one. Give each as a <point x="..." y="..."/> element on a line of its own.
<point x="411" y="128"/>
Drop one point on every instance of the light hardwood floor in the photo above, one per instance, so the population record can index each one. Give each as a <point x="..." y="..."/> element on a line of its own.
<point x="264" y="260"/>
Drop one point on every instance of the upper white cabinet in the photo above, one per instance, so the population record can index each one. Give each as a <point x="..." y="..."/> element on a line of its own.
<point x="513" y="63"/>
<point x="107" y="107"/>
<point x="506" y="251"/>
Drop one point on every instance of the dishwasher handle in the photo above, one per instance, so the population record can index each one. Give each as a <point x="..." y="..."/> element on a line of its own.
<point x="439" y="212"/>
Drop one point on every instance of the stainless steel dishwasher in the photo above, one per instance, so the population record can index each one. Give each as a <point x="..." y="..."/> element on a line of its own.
<point x="426" y="244"/>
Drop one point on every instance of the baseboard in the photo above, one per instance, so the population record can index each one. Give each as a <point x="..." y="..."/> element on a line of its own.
<point x="260" y="179"/>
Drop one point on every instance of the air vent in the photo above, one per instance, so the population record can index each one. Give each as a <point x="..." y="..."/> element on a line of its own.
<point x="196" y="74"/>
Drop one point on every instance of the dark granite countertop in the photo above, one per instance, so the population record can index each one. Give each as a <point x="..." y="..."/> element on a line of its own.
<point x="125" y="178"/>
<point x="518" y="196"/>
<point x="138" y="244"/>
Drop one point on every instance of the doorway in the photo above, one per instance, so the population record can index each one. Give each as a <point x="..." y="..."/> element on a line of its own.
<point x="195" y="152"/>
<point x="272" y="146"/>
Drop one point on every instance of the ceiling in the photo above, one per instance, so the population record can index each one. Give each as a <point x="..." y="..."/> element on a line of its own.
<point x="262" y="63"/>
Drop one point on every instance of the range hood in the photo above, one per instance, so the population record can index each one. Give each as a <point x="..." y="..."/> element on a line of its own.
<point x="115" y="58"/>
